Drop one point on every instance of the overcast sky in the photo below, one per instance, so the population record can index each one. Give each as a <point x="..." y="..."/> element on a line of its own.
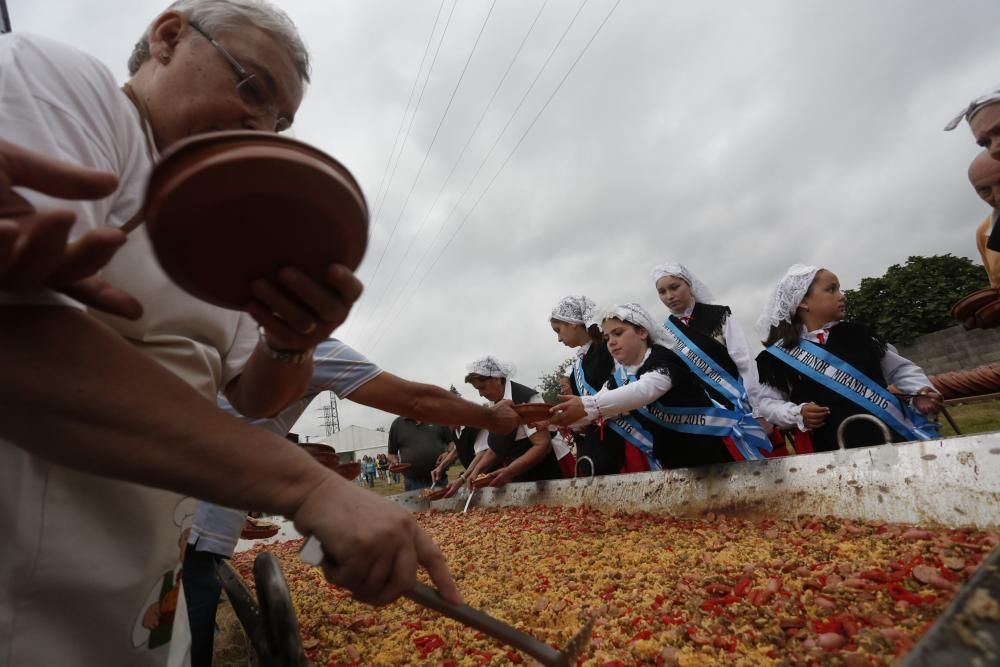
<point x="736" y="138"/>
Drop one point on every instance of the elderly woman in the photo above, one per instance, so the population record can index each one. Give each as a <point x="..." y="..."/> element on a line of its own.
<point x="817" y="370"/>
<point x="652" y="401"/>
<point x="524" y="455"/>
<point x="711" y="342"/>
<point x="107" y="424"/>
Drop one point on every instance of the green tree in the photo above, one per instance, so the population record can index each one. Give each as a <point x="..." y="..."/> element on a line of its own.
<point x="548" y="385"/>
<point x="915" y="298"/>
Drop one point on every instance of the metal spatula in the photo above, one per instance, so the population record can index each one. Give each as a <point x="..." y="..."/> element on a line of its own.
<point x="312" y="553"/>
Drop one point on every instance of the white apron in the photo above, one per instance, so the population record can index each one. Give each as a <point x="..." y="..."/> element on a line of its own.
<point x="89" y="566"/>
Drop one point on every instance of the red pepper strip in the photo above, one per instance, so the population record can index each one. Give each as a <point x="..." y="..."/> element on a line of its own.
<point x="715" y="602"/>
<point x="413" y="625"/>
<point x="658" y="602"/>
<point x="514" y="657"/>
<point x="831" y="625"/>
<point x="484" y="657"/>
<point x="642" y="634"/>
<point x="899" y="593"/>
<point x="613" y="663"/>
<point x="427" y="644"/>
<point x="742" y="586"/>
<point x="672" y="620"/>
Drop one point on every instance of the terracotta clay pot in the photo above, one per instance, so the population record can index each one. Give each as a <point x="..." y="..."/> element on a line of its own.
<point x="966" y="308"/>
<point x="227" y="208"/>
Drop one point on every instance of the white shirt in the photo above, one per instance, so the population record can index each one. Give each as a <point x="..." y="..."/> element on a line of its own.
<point x="897" y="370"/>
<point x="611" y="402"/>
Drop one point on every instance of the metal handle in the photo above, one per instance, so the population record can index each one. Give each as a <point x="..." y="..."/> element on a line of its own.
<point x="862" y="417"/>
<point x="426" y="596"/>
<point x="581" y="459"/>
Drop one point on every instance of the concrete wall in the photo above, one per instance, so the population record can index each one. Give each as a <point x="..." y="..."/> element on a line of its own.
<point x="954" y="349"/>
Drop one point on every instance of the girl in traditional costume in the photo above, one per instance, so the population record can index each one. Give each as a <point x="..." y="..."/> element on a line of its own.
<point x="709" y="340"/>
<point x="573" y="322"/>
<point x="652" y="401"/>
<point x="817" y="370"/>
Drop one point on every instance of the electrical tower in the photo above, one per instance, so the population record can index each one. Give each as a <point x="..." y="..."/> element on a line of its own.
<point x="331" y="420"/>
<point x="4" y="17"/>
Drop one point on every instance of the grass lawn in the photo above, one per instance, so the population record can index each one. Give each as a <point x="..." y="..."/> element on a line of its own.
<point x="974" y="418"/>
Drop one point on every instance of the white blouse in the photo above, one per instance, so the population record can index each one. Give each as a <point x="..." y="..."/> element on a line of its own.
<point x="611" y="402"/>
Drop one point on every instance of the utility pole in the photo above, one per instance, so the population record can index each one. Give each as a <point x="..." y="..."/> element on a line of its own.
<point x="331" y="420"/>
<point x="4" y="17"/>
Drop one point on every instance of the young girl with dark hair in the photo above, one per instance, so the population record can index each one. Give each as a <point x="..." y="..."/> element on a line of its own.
<point x="573" y="322"/>
<point x="817" y="370"/>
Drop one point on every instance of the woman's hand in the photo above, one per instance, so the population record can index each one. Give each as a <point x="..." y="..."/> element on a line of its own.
<point x="569" y="411"/>
<point x="501" y="477"/>
<point x="814" y="416"/>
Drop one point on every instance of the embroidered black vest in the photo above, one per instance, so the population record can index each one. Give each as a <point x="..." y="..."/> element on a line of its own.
<point x="856" y="345"/>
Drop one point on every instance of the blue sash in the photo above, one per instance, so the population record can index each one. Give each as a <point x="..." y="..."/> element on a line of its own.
<point x="839" y="376"/>
<point x="746" y="432"/>
<point x="625" y="426"/>
<point x="716" y="422"/>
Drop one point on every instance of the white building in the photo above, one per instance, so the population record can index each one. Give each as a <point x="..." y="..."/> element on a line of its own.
<point x="355" y="442"/>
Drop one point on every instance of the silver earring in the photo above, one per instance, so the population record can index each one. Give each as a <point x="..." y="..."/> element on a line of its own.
<point x="165" y="57"/>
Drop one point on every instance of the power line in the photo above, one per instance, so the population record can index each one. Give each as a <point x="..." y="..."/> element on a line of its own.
<point x="427" y="153"/>
<point x="392" y="176"/>
<point x="493" y="147"/>
<point x="461" y="154"/>
<point x="504" y="164"/>
<point x="402" y="119"/>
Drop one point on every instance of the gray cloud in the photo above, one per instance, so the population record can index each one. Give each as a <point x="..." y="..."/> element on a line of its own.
<point x="736" y="139"/>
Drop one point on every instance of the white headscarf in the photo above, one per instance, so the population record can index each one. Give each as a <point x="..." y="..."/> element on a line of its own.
<point x="489" y="367"/>
<point x="636" y="314"/>
<point x="975" y="106"/>
<point x="575" y="310"/>
<point x="699" y="290"/>
<point x="786" y="297"/>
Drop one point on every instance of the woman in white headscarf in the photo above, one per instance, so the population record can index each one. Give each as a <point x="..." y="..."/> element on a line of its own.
<point x="652" y="401"/>
<point x="817" y="370"/>
<point x="573" y="321"/>
<point x="526" y="454"/>
<point x="708" y="335"/>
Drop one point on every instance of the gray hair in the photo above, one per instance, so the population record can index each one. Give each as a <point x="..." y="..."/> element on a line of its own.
<point x="222" y="15"/>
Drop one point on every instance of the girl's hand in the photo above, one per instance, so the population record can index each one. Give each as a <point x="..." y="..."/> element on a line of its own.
<point x="928" y="401"/>
<point x="569" y="411"/>
<point x="814" y="416"/>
